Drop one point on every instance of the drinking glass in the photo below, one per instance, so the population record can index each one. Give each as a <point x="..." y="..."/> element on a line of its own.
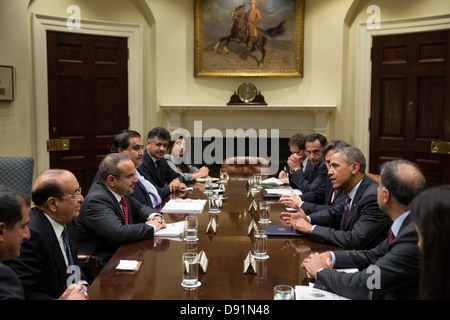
<point x="264" y="212"/>
<point x="213" y="203"/>
<point x="223" y="175"/>
<point x="260" y="245"/>
<point x="190" y="269"/>
<point x="283" y="292"/>
<point x="190" y="228"/>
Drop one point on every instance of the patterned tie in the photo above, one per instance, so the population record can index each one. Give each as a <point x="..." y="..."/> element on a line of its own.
<point x="347" y="209"/>
<point x="391" y="236"/>
<point x="154" y="196"/>
<point x="125" y="208"/>
<point x="66" y="245"/>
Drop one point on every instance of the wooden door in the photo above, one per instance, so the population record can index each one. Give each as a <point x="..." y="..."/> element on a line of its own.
<point x="410" y="101"/>
<point x="88" y="99"/>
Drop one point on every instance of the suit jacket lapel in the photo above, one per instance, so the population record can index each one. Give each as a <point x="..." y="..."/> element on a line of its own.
<point x="58" y="257"/>
<point x="355" y="201"/>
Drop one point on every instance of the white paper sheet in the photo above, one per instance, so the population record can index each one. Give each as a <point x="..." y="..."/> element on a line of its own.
<point x="184" y="206"/>
<point x="175" y="229"/>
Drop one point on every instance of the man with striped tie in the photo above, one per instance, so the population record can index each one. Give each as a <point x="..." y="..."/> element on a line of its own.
<point x="391" y="269"/>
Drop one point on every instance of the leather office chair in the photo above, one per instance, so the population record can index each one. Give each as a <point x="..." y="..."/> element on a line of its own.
<point x="93" y="260"/>
<point x="373" y="176"/>
<point x="243" y="167"/>
<point x="17" y="173"/>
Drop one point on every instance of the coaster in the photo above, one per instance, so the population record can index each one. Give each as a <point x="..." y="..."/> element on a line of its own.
<point x="198" y="284"/>
<point x="261" y="258"/>
<point x="190" y="240"/>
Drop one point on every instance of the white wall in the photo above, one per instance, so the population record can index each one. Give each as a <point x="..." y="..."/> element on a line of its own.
<point x="331" y="44"/>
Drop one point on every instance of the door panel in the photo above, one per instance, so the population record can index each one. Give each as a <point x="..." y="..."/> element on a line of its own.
<point x="410" y="104"/>
<point x="88" y="99"/>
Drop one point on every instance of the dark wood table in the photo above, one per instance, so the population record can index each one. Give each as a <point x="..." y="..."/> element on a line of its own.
<point x="159" y="276"/>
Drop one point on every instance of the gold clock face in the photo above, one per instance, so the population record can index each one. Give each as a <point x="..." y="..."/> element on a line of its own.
<point x="246" y="92"/>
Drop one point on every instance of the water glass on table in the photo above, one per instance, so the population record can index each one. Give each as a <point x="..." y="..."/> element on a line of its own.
<point x="190" y="228"/>
<point x="260" y="245"/>
<point x="264" y="212"/>
<point x="190" y="270"/>
<point x="283" y="292"/>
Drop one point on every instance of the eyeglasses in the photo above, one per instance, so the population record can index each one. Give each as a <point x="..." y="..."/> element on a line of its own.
<point x="74" y="196"/>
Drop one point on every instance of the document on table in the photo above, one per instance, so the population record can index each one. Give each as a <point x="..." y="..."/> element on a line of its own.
<point x="311" y="293"/>
<point x="128" y="265"/>
<point x="280" y="192"/>
<point x="175" y="229"/>
<point x="184" y="206"/>
<point x="272" y="182"/>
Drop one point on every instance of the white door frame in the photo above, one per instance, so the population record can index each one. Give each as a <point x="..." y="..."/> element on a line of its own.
<point x="364" y="66"/>
<point x="43" y="23"/>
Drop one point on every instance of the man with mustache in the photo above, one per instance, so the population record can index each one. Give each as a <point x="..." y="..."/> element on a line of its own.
<point x="155" y="168"/>
<point x="129" y="143"/>
<point x="110" y="216"/>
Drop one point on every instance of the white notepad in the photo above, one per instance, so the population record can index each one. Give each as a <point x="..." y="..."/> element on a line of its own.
<point x="184" y="206"/>
<point x="175" y="229"/>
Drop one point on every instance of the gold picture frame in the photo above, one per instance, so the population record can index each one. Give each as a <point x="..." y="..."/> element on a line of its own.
<point x="7" y="85"/>
<point x="280" y="33"/>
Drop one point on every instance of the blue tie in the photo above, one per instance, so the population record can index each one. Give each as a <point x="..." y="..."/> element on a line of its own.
<point x="66" y="245"/>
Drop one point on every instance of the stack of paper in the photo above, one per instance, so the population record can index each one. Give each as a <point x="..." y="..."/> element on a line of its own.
<point x="272" y="182"/>
<point x="171" y="230"/>
<point x="184" y="206"/>
<point x="280" y="192"/>
<point x="310" y="293"/>
<point x="128" y="265"/>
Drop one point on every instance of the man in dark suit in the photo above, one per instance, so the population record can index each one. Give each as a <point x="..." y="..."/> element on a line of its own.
<point x="391" y="269"/>
<point x="312" y="201"/>
<point x="357" y="223"/>
<point x="129" y="143"/>
<point x="313" y="177"/>
<point x="47" y="264"/>
<point x="110" y="216"/>
<point x="296" y="146"/>
<point x="155" y="168"/>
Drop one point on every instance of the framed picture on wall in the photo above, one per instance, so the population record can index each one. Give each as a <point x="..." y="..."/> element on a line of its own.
<point x="7" y="83"/>
<point x="224" y="47"/>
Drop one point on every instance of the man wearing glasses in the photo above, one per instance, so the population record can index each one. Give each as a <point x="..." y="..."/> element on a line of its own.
<point x="47" y="262"/>
<point x="110" y="216"/>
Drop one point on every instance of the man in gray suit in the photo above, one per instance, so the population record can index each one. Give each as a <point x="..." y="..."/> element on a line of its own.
<point x="356" y="223"/>
<point x="390" y="270"/>
<point x="110" y="216"/>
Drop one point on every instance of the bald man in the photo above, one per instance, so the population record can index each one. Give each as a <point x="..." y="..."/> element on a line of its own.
<point x="47" y="264"/>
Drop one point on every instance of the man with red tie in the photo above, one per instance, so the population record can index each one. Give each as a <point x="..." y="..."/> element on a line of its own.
<point x="110" y="216"/>
<point x="391" y="269"/>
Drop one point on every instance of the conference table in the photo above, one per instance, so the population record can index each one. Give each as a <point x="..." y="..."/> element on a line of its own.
<point x="159" y="275"/>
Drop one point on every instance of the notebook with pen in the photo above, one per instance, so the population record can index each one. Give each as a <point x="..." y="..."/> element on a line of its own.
<point x="282" y="231"/>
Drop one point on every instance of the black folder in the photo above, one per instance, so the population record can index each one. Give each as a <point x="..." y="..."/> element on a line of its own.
<point x="282" y="231"/>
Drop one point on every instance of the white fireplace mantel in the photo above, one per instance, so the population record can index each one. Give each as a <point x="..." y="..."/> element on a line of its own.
<point x="287" y="118"/>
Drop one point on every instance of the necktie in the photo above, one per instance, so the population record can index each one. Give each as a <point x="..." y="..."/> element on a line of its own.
<point x="333" y="195"/>
<point x="158" y="168"/>
<point x="67" y="247"/>
<point x="125" y="208"/>
<point x="391" y="236"/>
<point x="154" y="196"/>
<point x="347" y="209"/>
